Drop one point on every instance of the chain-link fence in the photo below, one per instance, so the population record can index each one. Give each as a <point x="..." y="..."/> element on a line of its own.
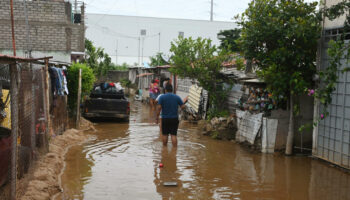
<point x="38" y="115"/>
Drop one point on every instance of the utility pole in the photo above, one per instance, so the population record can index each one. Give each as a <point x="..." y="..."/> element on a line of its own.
<point x="159" y="43"/>
<point x="212" y="10"/>
<point x="75" y="6"/>
<point x="159" y="48"/>
<point x="116" y="54"/>
<point x="143" y="42"/>
<point x="138" y="54"/>
<point x="143" y="35"/>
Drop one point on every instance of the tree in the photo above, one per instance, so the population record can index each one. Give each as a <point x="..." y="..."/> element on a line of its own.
<point x="158" y="60"/>
<point x="92" y="55"/>
<point x="229" y="39"/>
<point x="199" y="59"/>
<point x="281" y="37"/>
<point x="99" y="61"/>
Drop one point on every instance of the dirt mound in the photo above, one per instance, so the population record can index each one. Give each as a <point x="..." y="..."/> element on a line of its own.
<point x="45" y="181"/>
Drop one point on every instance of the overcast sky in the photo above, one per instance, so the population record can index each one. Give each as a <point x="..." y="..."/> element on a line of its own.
<point x="224" y="10"/>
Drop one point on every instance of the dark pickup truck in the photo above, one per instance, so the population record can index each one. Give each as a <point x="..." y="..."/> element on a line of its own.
<point x="108" y="103"/>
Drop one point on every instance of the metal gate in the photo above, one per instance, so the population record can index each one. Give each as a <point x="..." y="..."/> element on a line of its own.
<point x="333" y="141"/>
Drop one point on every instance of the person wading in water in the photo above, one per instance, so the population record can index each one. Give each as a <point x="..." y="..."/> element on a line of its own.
<point x="168" y="104"/>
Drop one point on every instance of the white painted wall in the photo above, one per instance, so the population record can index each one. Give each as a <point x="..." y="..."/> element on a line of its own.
<point x="337" y="23"/>
<point x="105" y="30"/>
<point x="60" y="56"/>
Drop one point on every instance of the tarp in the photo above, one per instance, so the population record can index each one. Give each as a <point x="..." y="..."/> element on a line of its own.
<point x="144" y="74"/>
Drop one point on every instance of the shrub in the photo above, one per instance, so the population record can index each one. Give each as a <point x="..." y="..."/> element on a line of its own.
<point x="87" y="83"/>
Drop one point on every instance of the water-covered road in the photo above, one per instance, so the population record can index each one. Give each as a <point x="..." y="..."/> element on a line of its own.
<point x="122" y="162"/>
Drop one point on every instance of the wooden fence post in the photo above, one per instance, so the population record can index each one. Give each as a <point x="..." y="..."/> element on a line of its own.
<point x="32" y="128"/>
<point x="14" y="127"/>
<point x="78" y="101"/>
<point x="46" y="105"/>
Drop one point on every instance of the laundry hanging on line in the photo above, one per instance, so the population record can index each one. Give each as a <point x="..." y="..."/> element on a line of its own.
<point x="58" y="81"/>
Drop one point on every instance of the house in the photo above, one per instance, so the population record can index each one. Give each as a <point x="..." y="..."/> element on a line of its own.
<point x="55" y="28"/>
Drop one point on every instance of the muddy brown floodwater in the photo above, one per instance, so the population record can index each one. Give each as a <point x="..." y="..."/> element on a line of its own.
<point x="123" y="163"/>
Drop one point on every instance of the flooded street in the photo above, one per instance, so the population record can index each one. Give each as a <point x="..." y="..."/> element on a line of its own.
<point x="122" y="162"/>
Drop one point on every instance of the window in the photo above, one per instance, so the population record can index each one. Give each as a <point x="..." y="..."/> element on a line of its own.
<point x="143" y="31"/>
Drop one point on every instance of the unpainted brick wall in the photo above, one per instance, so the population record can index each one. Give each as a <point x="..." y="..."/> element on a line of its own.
<point x="49" y="23"/>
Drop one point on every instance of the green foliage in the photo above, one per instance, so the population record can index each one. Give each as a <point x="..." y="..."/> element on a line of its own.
<point x="99" y="61"/>
<point x="125" y="82"/>
<point x="229" y="39"/>
<point x="122" y="67"/>
<point x="281" y="37"/>
<point x="213" y="112"/>
<point x="336" y="52"/>
<point x="215" y="135"/>
<point x="240" y="64"/>
<point x="158" y="60"/>
<point x="329" y="76"/>
<point x="87" y="83"/>
<point x="199" y="59"/>
<point x="112" y="66"/>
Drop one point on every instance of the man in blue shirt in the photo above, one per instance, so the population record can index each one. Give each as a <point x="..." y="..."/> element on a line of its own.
<point x="169" y="104"/>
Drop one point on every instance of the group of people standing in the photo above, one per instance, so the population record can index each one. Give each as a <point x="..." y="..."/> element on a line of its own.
<point x="167" y="104"/>
<point x="156" y="89"/>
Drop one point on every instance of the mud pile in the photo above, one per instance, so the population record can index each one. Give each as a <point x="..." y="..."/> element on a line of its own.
<point x="45" y="181"/>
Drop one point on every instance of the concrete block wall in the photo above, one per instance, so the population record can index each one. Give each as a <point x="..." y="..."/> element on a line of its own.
<point x="50" y="26"/>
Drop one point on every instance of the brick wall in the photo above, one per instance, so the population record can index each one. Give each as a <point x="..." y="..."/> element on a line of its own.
<point x="50" y="26"/>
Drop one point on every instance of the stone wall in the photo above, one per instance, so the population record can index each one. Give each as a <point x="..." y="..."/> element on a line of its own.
<point x="50" y="26"/>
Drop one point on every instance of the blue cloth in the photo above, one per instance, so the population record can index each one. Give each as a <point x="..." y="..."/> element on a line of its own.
<point x="59" y="88"/>
<point x="170" y="103"/>
<point x="60" y="78"/>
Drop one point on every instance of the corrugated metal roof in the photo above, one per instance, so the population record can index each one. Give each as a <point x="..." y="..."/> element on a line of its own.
<point x="248" y="126"/>
<point x="195" y="97"/>
<point x="255" y="80"/>
<point x="15" y="58"/>
<point x="164" y="66"/>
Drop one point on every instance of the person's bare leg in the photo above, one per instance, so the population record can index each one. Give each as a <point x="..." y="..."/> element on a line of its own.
<point x="160" y="127"/>
<point x="165" y="140"/>
<point x="174" y="140"/>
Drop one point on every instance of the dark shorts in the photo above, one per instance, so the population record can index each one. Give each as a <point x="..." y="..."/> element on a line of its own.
<point x="170" y="126"/>
<point x="152" y="95"/>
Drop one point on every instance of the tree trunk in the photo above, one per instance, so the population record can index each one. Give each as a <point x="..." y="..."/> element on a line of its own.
<point x="290" y="137"/>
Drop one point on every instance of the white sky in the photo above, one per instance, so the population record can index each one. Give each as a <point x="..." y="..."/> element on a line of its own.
<point x="224" y="10"/>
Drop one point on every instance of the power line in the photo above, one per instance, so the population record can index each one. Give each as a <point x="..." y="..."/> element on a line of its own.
<point x="211" y="10"/>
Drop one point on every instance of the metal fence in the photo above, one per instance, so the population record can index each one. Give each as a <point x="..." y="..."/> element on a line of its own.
<point x="38" y="115"/>
<point x="333" y="137"/>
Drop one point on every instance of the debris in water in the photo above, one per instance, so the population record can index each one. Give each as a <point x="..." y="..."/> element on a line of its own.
<point x="170" y="184"/>
<point x="161" y="165"/>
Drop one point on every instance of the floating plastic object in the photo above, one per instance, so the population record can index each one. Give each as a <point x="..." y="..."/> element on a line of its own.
<point x="161" y="165"/>
<point x="170" y="184"/>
